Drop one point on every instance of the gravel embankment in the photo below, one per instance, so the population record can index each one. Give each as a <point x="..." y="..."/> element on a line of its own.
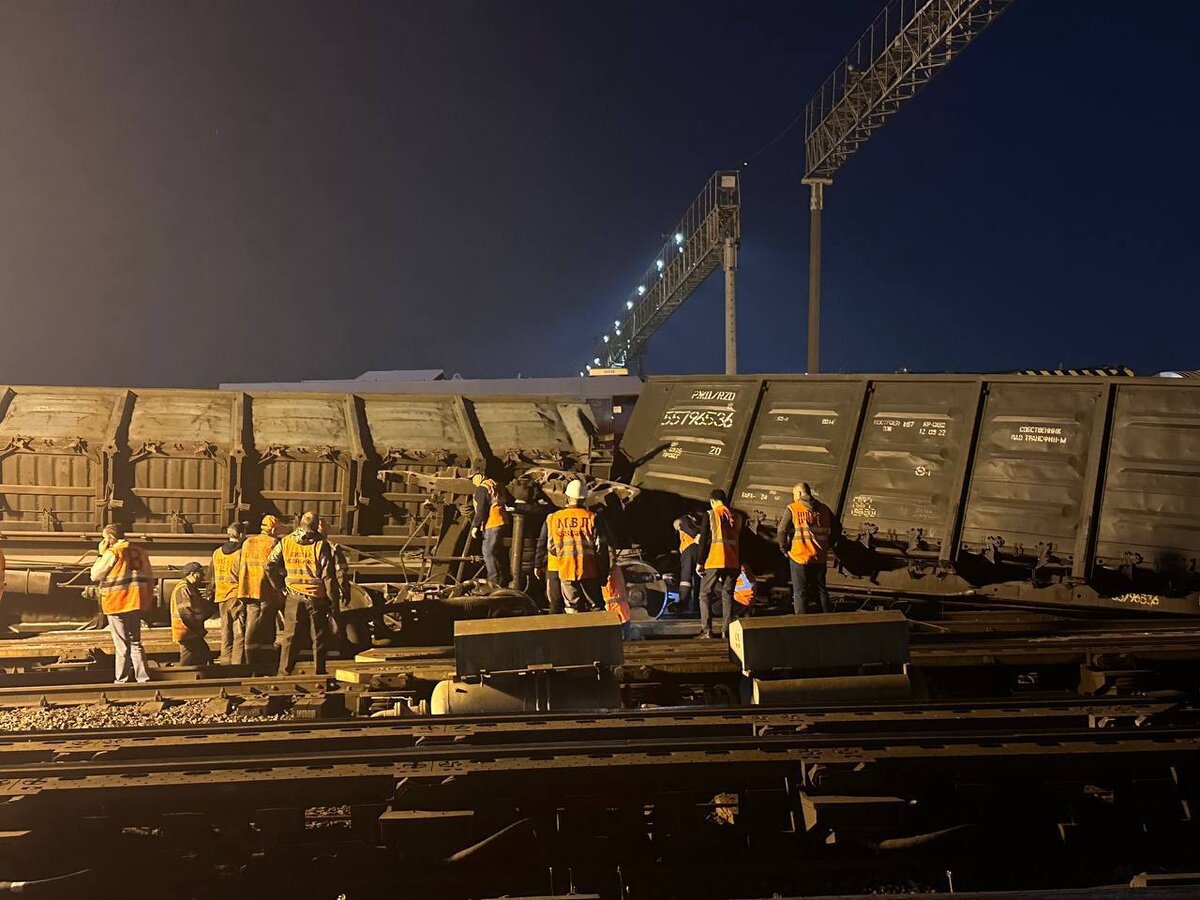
<point x="186" y="712"/>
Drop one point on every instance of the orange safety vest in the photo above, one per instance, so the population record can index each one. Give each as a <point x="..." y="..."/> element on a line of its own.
<point x="497" y="514"/>
<point x="178" y="629"/>
<point x="253" y="583"/>
<point x="301" y="562"/>
<point x="724" y="524"/>
<point x="686" y="540"/>
<point x="743" y="591"/>
<point x="571" y="537"/>
<point x="2" y="566"/>
<point x="616" y="597"/>
<point x="225" y="574"/>
<point x="810" y="537"/>
<point x="129" y="584"/>
<point x="551" y="559"/>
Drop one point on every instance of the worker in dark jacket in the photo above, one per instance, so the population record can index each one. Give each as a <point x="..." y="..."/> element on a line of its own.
<point x="689" y="551"/>
<point x="806" y="531"/>
<point x="301" y="567"/>
<point x="189" y="611"/>
<point x="545" y="566"/>
<point x="491" y="522"/>
<point x="720" y="562"/>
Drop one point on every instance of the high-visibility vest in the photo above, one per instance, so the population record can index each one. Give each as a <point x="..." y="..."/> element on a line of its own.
<point x="301" y="562"/>
<point x="225" y="574"/>
<point x="551" y="559"/>
<point x="129" y="584"/>
<point x="571" y="536"/>
<point x="2" y="565"/>
<point x="743" y="590"/>
<point x="686" y="540"/>
<point x="810" y="537"/>
<point x="178" y="628"/>
<point x="723" y="551"/>
<point x="616" y="597"/>
<point x="253" y="583"/>
<point x="497" y="514"/>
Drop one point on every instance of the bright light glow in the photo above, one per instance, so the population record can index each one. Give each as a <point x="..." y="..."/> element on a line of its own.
<point x="580" y="374"/>
<point x="595" y="362"/>
<point x="616" y="323"/>
<point x="618" y="332"/>
<point x="659" y="263"/>
<point x="606" y="339"/>
<point x="679" y="237"/>
<point x="641" y="289"/>
<point x="629" y="303"/>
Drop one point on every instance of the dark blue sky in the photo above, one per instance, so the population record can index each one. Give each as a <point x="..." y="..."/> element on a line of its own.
<point x="202" y="192"/>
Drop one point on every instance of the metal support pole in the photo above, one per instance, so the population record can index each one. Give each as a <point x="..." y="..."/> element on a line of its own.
<point x="516" y="559"/>
<point x="815" y="205"/>
<point x="730" y="307"/>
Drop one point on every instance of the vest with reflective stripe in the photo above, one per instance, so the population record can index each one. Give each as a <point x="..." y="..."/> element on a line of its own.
<point x="178" y="629"/>
<point x="616" y="596"/>
<point x="497" y="514"/>
<point x="129" y="585"/>
<point x="551" y="559"/>
<point x="571" y="536"/>
<point x="810" y="538"/>
<point x="225" y="576"/>
<point x="301" y="562"/>
<point x="253" y="583"/>
<point x="723" y="551"/>
<point x="686" y="540"/>
<point x="743" y="590"/>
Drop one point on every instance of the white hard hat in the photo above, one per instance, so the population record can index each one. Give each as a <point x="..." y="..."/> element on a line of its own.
<point x="576" y="490"/>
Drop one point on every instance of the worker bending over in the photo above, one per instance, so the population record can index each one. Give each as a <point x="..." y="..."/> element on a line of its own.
<point x="689" y="550"/>
<point x="258" y="598"/>
<point x="225" y="561"/>
<point x="720" y="555"/>
<point x="491" y="519"/>
<point x="806" y="531"/>
<point x="126" y="586"/>
<point x="577" y="539"/>
<point x="301" y="568"/>
<point x="189" y="610"/>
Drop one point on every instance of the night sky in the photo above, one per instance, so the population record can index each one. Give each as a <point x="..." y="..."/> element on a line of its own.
<point x="197" y="192"/>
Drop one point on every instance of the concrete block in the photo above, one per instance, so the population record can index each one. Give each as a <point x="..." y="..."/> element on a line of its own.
<point x="515" y="644"/>
<point x="819" y="642"/>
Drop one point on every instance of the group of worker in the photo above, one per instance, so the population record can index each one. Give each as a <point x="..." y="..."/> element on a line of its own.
<point x="299" y="576"/>
<point x="712" y="549"/>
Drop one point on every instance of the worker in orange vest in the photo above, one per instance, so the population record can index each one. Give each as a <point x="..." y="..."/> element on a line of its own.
<point x="806" y="531"/>
<point x="189" y="611"/>
<point x="258" y="598"/>
<point x="578" y="539"/>
<point x="689" y="551"/>
<point x="301" y="567"/>
<point x="491" y="520"/>
<point x="545" y="568"/>
<point x="126" y="586"/>
<point x="225" y="562"/>
<point x="743" y="589"/>
<point x="720" y="544"/>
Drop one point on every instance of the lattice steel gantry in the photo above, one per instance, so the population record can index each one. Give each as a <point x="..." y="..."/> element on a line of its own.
<point x="706" y="237"/>
<point x="907" y="44"/>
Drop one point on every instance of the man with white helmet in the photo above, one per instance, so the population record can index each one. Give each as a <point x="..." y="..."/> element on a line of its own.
<point x="806" y="531"/>
<point x="577" y="539"/>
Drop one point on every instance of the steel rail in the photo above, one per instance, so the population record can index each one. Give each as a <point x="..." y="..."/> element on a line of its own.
<point x="278" y="737"/>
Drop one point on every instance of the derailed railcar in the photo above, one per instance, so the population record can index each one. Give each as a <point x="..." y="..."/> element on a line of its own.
<point x="176" y="466"/>
<point x="1070" y="492"/>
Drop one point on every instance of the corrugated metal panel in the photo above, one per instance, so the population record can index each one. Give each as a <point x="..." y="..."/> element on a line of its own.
<point x="304" y="451"/>
<point x="528" y="426"/>
<point x="803" y="432"/>
<point x="54" y="458"/>
<point x="1029" y="477"/>
<point x="1151" y="501"/>
<point x="910" y="464"/>
<point x="688" y="435"/>
<point x="179" y="461"/>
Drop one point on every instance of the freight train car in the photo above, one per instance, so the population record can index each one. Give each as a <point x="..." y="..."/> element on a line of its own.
<point x="176" y="466"/>
<point x="1066" y="492"/>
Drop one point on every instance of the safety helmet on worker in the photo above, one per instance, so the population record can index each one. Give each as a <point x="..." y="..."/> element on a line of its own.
<point x="269" y="524"/>
<point x="576" y="490"/>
